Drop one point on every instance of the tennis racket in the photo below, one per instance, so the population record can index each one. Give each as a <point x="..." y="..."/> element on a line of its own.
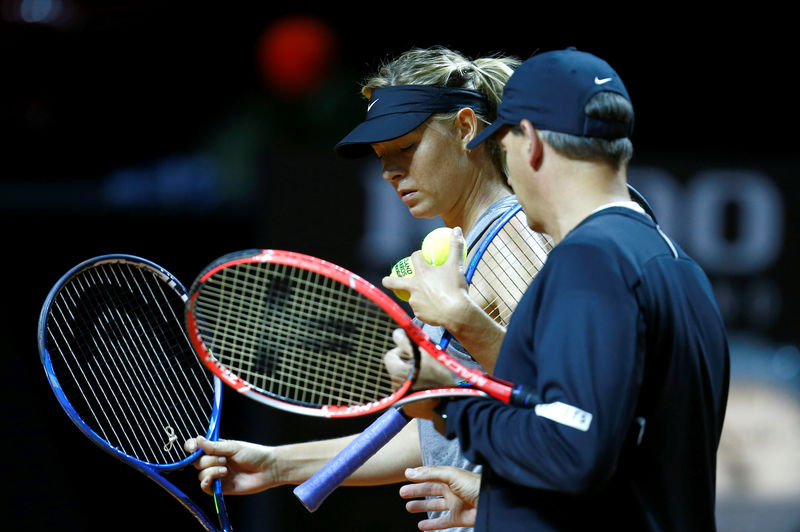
<point x="115" y="351"/>
<point x="499" y="271"/>
<point x="306" y="336"/>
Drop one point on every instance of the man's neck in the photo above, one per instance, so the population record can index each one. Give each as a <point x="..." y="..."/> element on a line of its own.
<point x="583" y="188"/>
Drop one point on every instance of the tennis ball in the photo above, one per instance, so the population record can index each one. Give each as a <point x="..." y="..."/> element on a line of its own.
<point x="436" y="246"/>
<point x="403" y="268"/>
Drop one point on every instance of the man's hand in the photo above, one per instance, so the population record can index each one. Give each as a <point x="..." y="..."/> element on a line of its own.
<point x="453" y="490"/>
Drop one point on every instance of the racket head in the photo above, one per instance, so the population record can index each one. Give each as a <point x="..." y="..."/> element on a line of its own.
<point x="505" y="262"/>
<point x="115" y="353"/>
<point x="298" y="333"/>
<point x="501" y="266"/>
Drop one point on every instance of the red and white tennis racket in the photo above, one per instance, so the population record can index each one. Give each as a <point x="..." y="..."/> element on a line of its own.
<point x="304" y="335"/>
<point x="307" y="336"/>
<point x="503" y="264"/>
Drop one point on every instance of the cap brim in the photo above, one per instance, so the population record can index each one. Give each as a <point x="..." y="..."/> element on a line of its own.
<point x="487" y="132"/>
<point x="379" y="129"/>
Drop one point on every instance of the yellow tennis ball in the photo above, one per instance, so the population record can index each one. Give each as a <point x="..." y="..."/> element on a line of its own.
<point x="436" y="246"/>
<point x="403" y="268"/>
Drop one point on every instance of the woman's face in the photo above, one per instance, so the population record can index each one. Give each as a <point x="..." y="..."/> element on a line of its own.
<point x="428" y="169"/>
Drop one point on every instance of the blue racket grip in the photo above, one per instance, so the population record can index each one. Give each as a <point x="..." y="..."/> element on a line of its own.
<point x="316" y="489"/>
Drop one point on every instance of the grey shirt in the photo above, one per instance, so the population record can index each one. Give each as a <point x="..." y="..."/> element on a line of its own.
<point x="436" y="449"/>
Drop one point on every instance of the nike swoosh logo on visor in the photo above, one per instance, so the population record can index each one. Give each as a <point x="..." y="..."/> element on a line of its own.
<point x="598" y="81"/>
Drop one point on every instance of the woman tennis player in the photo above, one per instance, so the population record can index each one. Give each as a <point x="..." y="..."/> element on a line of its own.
<point x="423" y="108"/>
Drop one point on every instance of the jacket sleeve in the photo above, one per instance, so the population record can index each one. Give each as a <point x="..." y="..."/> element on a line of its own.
<point x="575" y="341"/>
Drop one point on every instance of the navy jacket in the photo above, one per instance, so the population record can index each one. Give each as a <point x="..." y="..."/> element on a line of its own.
<point x="621" y="337"/>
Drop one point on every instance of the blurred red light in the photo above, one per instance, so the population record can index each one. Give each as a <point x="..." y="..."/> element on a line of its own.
<point x="295" y="54"/>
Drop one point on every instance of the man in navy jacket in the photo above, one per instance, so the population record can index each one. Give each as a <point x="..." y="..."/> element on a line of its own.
<point x="619" y="333"/>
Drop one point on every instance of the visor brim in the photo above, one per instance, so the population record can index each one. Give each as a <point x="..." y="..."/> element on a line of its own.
<point x="379" y="129"/>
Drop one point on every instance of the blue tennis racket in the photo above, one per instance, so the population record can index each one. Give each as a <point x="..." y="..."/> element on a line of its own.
<point x="114" y="348"/>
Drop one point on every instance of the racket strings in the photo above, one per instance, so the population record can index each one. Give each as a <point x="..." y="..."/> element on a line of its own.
<point x="295" y="334"/>
<point x="119" y="350"/>
<point x="508" y="266"/>
<point x="165" y="372"/>
<point x="325" y="374"/>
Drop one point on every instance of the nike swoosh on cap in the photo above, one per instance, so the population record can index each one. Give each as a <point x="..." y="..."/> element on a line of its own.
<point x="598" y="81"/>
<point x="370" y="105"/>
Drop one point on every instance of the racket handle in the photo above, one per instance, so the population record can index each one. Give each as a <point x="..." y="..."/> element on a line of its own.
<point x="219" y="505"/>
<point x="521" y="396"/>
<point x="316" y="489"/>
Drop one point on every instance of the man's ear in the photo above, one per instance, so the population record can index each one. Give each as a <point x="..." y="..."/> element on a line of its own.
<point x="534" y="142"/>
<point x="467" y="123"/>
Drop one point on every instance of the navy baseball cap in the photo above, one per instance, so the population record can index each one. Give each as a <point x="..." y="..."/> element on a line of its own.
<point x="551" y="90"/>
<point x="396" y="110"/>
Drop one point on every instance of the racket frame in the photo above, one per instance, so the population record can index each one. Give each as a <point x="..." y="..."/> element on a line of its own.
<point x="495" y="387"/>
<point x="153" y="471"/>
<point x="313" y="492"/>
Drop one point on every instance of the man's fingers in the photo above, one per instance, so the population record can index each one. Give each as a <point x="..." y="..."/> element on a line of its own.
<point x="427" y="505"/>
<point x="440" y="523"/>
<point x="446" y="474"/>
<point x="424" y="489"/>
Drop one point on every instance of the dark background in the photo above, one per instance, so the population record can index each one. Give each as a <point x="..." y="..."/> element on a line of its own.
<point x="159" y="129"/>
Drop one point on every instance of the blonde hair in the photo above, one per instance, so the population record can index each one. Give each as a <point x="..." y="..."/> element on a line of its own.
<point x="444" y="67"/>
